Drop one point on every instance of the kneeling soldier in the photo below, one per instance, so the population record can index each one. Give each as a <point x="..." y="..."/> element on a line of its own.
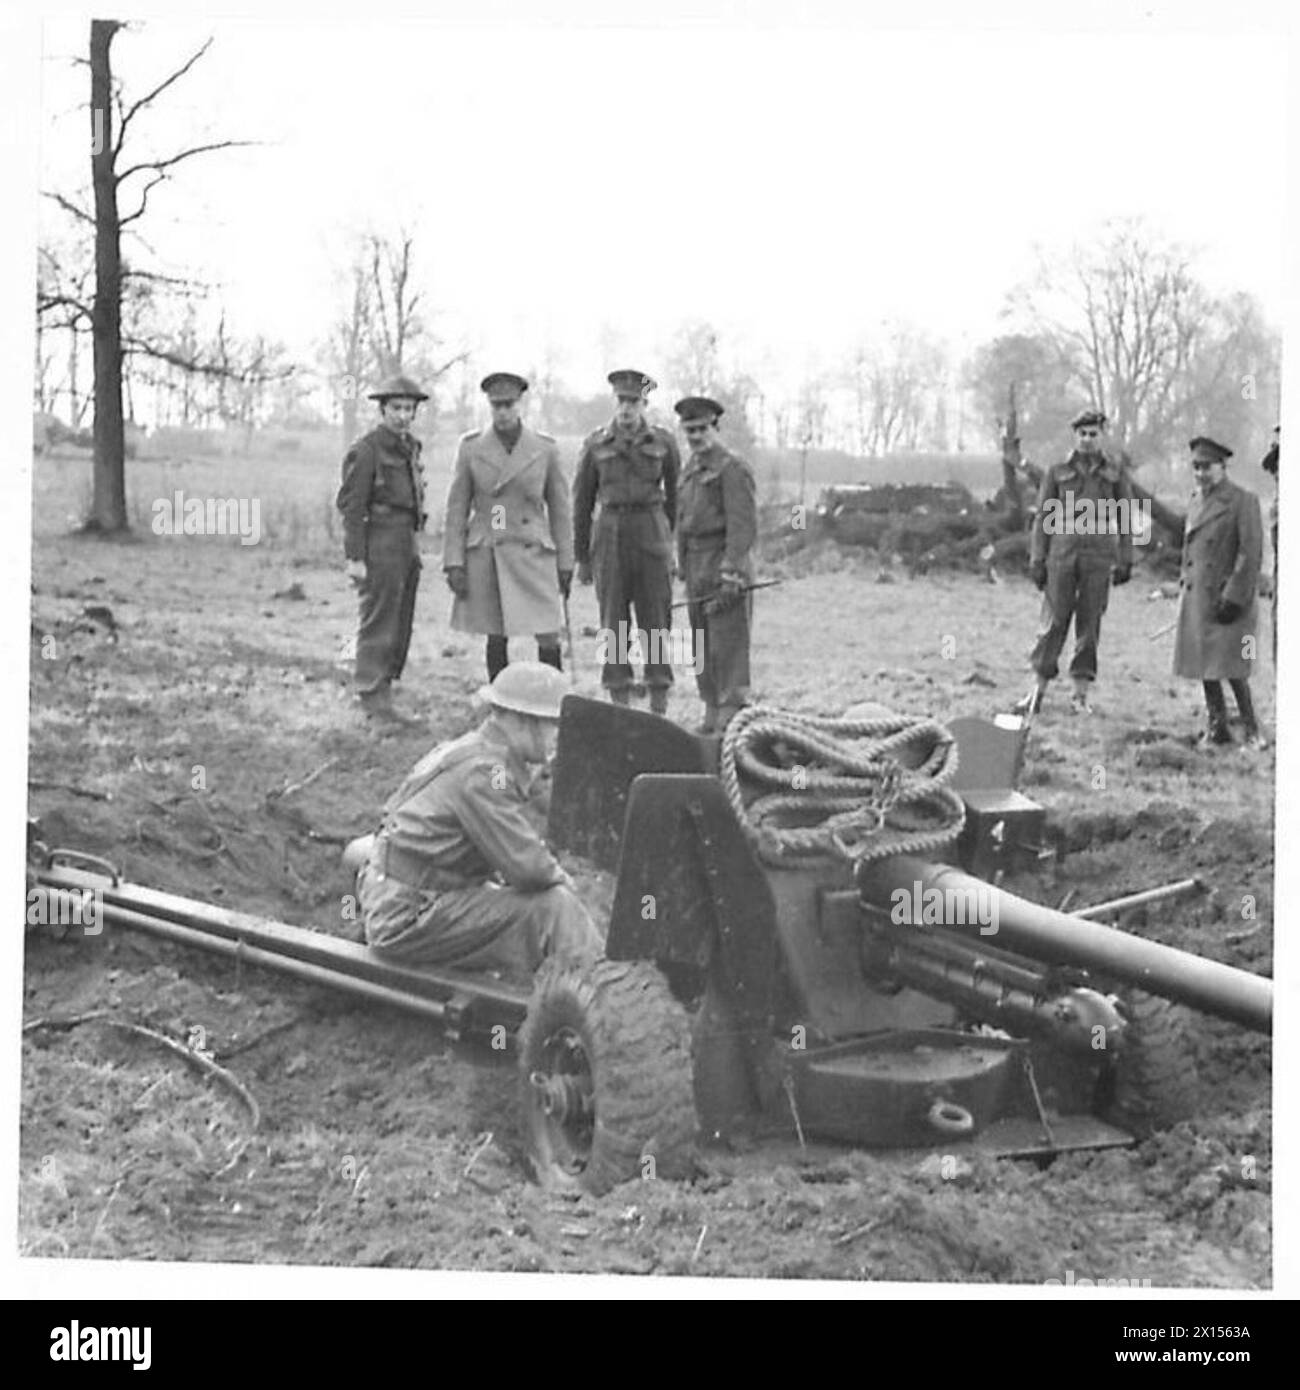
<point x="457" y="874"/>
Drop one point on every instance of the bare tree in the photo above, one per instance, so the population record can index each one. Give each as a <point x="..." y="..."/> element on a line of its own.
<point x="896" y="382"/>
<point x="380" y="329"/>
<point x="1126" y="315"/>
<point x="111" y="119"/>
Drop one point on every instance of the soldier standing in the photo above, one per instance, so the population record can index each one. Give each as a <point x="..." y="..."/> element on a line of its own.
<point x="630" y="467"/>
<point x="508" y="546"/>
<point x="717" y="524"/>
<point x="382" y="502"/>
<point x="1222" y="548"/>
<point x="1080" y="544"/>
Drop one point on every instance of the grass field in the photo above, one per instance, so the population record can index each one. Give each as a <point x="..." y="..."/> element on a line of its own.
<point x="227" y="660"/>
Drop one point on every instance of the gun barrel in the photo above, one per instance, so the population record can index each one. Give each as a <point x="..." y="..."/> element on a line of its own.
<point x="1058" y="938"/>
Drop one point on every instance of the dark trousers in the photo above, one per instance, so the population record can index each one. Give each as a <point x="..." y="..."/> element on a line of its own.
<point x="386" y="602"/>
<point x="1217" y="708"/>
<point x="632" y="564"/>
<point x="1078" y="589"/>
<point x="548" y="652"/>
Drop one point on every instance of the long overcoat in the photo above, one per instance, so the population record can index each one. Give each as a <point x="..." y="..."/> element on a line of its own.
<point x="509" y="522"/>
<point x="1222" y="548"/>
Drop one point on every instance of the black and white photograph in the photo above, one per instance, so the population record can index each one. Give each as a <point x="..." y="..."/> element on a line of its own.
<point x="652" y="664"/>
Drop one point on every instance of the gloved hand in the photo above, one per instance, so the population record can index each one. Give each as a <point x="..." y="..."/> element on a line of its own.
<point x="566" y="581"/>
<point x="1038" y="573"/>
<point x="1225" y="611"/>
<point x="584" y="573"/>
<point x="457" y="580"/>
<point x="355" y="571"/>
<point x="1121" y="574"/>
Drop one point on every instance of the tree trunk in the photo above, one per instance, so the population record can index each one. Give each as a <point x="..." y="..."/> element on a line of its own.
<point x="108" y="508"/>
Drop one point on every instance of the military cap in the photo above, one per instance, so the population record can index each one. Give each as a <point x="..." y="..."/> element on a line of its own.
<point x="398" y="388"/>
<point x="1206" y="450"/>
<point x="503" y="386"/>
<point x="1089" y="417"/>
<point x="699" y="408"/>
<point x="629" y="382"/>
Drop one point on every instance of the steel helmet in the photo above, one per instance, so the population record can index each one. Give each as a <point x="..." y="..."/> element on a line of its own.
<point x="527" y="687"/>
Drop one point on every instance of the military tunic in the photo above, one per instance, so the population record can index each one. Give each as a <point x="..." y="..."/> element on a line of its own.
<point x="632" y="475"/>
<point x="382" y="503"/>
<point x="457" y="874"/>
<point x="510" y="526"/>
<point x="717" y="525"/>
<point x="1222" y="549"/>
<point x="1082" y="537"/>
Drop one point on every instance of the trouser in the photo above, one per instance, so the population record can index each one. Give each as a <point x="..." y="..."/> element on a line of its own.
<point x="548" y="651"/>
<point x="482" y="927"/>
<point x="632" y="564"/>
<point x="1078" y="588"/>
<point x="720" y="640"/>
<point x="722" y="655"/>
<point x="386" y="602"/>
<point x="1217" y="708"/>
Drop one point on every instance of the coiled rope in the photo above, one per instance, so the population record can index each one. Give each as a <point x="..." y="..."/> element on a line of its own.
<point x="858" y="789"/>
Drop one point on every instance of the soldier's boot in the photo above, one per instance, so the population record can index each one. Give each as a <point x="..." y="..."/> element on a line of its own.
<point x="658" y="699"/>
<point x="710" y="725"/>
<point x="1250" y="732"/>
<point x="549" y="656"/>
<point x="621" y="694"/>
<point x="1079" y="702"/>
<point x="497" y="657"/>
<point x="1217" y="730"/>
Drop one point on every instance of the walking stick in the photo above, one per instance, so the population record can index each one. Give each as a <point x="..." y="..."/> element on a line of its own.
<point x="568" y="640"/>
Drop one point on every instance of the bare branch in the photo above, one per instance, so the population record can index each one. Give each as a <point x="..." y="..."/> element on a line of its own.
<point x="47" y="302"/>
<point x="144" y="201"/>
<point x="69" y="206"/>
<point x="161" y="164"/>
<point x="157" y="91"/>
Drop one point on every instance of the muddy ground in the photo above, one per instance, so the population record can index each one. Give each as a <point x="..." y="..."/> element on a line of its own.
<point x="190" y="719"/>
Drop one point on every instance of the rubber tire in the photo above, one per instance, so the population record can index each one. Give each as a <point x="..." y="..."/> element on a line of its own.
<point x="637" y="1039"/>
<point x="1155" y="1084"/>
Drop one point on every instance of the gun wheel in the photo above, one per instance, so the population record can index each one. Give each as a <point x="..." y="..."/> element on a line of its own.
<point x="605" y="1077"/>
<point x="1154" y="1084"/>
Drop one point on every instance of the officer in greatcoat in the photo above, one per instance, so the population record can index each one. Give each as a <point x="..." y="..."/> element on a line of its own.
<point x="457" y="873"/>
<point x="508" y="543"/>
<point x="1217" y="613"/>
<point x="717" y="525"/>
<point x="629" y="468"/>
<point x="1080" y="544"/>
<point x="382" y="503"/>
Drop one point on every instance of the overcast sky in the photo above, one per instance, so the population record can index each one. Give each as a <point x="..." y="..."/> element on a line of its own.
<point x="793" y="185"/>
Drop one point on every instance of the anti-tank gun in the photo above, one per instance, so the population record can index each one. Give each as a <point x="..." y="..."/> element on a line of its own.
<point x="781" y="960"/>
